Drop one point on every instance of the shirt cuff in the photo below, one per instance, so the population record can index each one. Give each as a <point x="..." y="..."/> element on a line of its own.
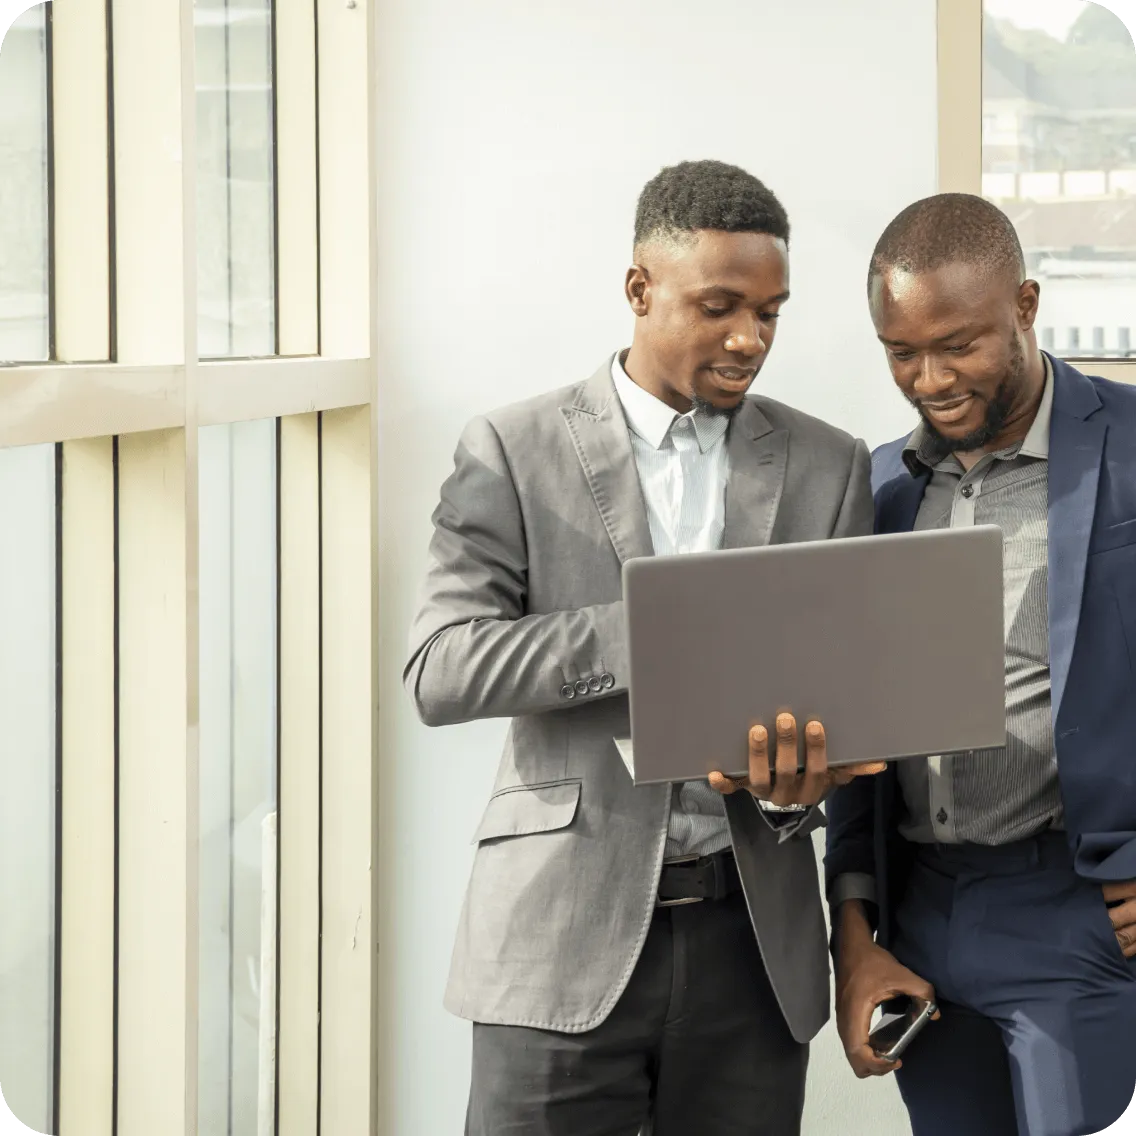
<point x="853" y="885"/>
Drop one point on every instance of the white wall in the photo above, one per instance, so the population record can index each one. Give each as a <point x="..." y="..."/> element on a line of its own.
<point x="514" y="137"/>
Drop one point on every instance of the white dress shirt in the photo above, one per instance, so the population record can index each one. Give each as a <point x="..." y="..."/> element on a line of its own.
<point x="683" y="465"/>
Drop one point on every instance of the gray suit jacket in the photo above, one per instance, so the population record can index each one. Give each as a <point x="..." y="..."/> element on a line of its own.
<point x="523" y="599"/>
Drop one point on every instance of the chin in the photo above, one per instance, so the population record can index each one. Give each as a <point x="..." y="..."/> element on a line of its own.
<point x="956" y="432"/>
<point x="722" y="400"/>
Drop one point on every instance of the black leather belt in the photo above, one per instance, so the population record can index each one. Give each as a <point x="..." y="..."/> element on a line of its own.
<point x="695" y="878"/>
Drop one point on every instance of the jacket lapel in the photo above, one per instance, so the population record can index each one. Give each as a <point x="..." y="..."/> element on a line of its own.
<point x="758" y="457"/>
<point x="599" y="432"/>
<point x="898" y="501"/>
<point x="1076" y="443"/>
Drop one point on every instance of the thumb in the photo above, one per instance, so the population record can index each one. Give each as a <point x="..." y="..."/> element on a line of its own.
<point x="916" y="987"/>
<point x="723" y="784"/>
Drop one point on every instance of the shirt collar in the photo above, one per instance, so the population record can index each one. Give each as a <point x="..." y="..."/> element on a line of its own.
<point x="921" y="453"/>
<point x="652" y="420"/>
<point x="1036" y="444"/>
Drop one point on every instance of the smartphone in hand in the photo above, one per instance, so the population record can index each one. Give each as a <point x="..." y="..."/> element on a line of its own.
<point x="896" y="1031"/>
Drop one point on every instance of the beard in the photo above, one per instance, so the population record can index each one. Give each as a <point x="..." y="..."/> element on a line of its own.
<point x="998" y="410"/>
<point x="703" y="406"/>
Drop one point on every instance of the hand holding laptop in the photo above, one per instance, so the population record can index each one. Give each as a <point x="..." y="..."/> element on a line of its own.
<point x="781" y="782"/>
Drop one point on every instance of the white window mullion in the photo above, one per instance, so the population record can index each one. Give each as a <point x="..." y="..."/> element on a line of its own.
<point x="87" y="846"/>
<point x="345" y="156"/>
<point x="300" y="744"/>
<point x="297" y="214"/>
<point x="960" y="96"/>
<point x="148" y="142"/>
<point x="153" y="866"/>
<point x="81" y="200"/>
<point x="347" y="1028"/>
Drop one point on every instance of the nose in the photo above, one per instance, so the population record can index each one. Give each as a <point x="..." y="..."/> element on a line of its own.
<point x="745" y="337"/>
<point x="933" y="377"/>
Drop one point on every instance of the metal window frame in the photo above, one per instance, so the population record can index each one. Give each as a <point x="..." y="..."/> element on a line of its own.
<point x="126" y="398"/>
<point x="960" y="128"/>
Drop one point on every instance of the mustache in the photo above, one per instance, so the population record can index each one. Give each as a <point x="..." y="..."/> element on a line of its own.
<point x="939" y="403"/>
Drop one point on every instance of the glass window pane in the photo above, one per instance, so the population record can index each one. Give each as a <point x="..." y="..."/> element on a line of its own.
<point x="27" y="782"/>
<point x="1059" y="155"/>
<point x="238" y="778"/>
<point x="24" y="310"/>
<point x="235" y="169"/>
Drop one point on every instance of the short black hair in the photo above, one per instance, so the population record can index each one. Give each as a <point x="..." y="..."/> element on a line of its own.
<point x="691" y="196"/>
<point x="950" y="228"/>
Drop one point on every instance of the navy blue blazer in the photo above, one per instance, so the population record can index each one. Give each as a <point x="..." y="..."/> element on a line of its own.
<point x="1092" y="643"/>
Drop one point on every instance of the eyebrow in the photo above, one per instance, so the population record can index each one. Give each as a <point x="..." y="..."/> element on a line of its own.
<point x="962" y="332"/>
<point x="720" y="290"/>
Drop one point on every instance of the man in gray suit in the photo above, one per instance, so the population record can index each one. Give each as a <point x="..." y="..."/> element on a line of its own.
<point x="654" y="955"/>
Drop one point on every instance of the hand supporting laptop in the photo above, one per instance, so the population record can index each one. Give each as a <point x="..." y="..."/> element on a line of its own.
<point x="781" y="782"/>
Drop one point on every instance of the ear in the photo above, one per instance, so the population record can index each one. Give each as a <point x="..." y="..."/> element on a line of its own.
<point x="637" y="288"/>
<point x="1029" y="295"/>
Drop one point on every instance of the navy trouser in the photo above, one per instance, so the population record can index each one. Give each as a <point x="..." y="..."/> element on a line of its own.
<point x="1038" y="1033"/>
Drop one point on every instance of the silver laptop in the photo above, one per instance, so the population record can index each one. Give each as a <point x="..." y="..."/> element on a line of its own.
<point x="894" y="642"/>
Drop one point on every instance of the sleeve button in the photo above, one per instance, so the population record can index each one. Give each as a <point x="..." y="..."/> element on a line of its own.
<point x="582" y="686"/>
<point x="607" y="681"/>
<point x="594" y="685"/>
<point x="568" y="691"/>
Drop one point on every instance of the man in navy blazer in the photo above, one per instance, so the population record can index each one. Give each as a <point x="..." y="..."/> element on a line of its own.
<point x="1000" y="883"/>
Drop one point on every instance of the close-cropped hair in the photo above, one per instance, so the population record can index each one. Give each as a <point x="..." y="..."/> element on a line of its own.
<point x="950" y="228"/>
<point x="692" y="196"/>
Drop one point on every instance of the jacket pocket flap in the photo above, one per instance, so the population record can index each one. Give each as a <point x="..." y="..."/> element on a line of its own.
<point x="523" y="809"/>
<point x="1115" y="536"/>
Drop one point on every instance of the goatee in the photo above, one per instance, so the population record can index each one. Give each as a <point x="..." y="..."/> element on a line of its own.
<point x="704" y="406"/>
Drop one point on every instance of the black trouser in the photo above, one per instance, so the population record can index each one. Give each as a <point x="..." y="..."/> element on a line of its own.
<point x="696" y="1046"/>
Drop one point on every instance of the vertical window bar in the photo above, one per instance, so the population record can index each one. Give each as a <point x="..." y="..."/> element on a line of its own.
<point x="319" y="981"/>
<point x="279" y="717"/>
<point x="112" y="227"/>
<point x="56" y="1030"/>
<point x="117" y="765"/>
<point x="272" y="70"/>
<point x="48" y="34"/>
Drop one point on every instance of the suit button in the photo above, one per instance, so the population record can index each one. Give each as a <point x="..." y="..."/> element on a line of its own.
<point x="568" y="691"/>
<point x="594" y="685"/>
<point x="941" y="816"/>
<point x="607" y="681"/>
<point x="582" y="686"/>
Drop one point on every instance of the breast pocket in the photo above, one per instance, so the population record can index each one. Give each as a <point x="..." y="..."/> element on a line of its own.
<point x="1113" y="536"/>
<point x="522" y="810"/>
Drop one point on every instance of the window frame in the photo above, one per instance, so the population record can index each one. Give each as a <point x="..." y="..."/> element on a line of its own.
<point x="125" y="399"/>
<point x="960" y="46"/>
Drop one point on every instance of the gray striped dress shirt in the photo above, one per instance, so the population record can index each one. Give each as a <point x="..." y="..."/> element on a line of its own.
<point x="995" y="796"/>
<point x="1001" y="795"/>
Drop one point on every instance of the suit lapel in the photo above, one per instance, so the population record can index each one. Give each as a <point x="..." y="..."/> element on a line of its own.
<point x="1076" y="443"/>
<point x="599" y="432"/>
<point x="758" y="457"/>
<point x="898" y="501"/>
